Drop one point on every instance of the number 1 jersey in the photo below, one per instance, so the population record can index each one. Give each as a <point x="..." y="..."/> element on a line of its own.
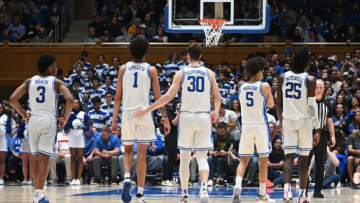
<point x="196" y="89"/>
<point x="42" y="95"/>
<point x="136" y="86"/>
<point x="253" y="103"/>
<point x="295" y="93"/>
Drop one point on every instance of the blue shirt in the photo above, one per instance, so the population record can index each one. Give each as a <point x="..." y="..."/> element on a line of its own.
<point x="15" y="144"/>
<point x="89" y="142"/>
<point x="113" y="71"/>
<point x="100" y="71"/>
<point x="73" y="116"/>
<point x="170" y="67"/>
<point x="159" y="147"/>
<point x="108" y="145"/>
<point x="100" y="119"/>
<point x="110" y="88"/>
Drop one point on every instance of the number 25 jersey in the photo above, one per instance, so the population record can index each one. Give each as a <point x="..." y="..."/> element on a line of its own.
<point x="42" y="95"/>
<point x="295" y="93"/>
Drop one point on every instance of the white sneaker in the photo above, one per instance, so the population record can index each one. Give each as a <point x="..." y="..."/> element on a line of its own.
<point x="1" y="181"/>
<point x="264" y="199"/>
<point x="29" y="182"/>
<point x="288" y="196"/>
<point x="24" y="182"/>
<point x="184" y="199"/>
<point x="77" y="182"/>
<point x="210" y="183"/>
<point x="236" y="195"/>
<point x="167" y="183"/>
<point x="204" y="196"/>
<point x="73" y="182"/>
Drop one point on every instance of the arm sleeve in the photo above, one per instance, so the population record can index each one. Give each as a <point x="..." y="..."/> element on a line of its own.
<point x="313" y="111"/>
<point x="86" y="122"/>
<point x="117" y="142"/>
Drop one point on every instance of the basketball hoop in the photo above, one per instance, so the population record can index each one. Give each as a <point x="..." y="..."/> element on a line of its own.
<point x="212" y="29"/>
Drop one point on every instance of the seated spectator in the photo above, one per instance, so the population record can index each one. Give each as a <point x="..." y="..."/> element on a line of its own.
<point x="171" y="65"/>
<point x="108" y="106"/>
<point x="108" y="86"/>
<point x="154" y="158"/>
<point x="5" y="35"/>
<point x="160" y="35"/>
<point x="107" y="37"/>
<point x="107" y="149"/>
<point x="92" y="37"/>
<point x="354" y="126"/>
<point x="276" y="163"/>
<point x="90" y="75"/>
<point x="99" y="117"/>
<point x="114" y="69"/>
<point x="100" y="68"/>
<point x="62" y="155"/>
<point x="96" y="91"/>
<point x="17" y="30"/>
<point x="353" y="160"/>
<point x="114" y="28"/>
<point x="14" y="159"/>
<point x="78" y="75"/>
<point x="150" y="25"/>
<point x="89" y="153"/>
<point x="125" y="36"/>
<point x="313" y="36"/>
<point x="222" y="143"/>
<point x="36" y="17"/>
<point x="230" y="119"/>
<point x="98" y="25"/>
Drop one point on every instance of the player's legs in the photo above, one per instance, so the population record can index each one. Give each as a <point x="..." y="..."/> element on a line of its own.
<point x="184" y="172"/>
<point x="2" y="166"/>
<point x="128" y="162"/>
<point x="25" y="164"/>
<point x="80" y="155"/>
<point x="141" y="168"/>
<point x="73" y="165"/>
<point x="201" y="157"/>
<point x="287" y="172"/>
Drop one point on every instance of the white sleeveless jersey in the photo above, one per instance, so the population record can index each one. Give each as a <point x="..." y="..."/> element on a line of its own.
<point x="253" y="104"/>
<point x="136" y="86"/>
<point x="295" y="94"/>
<point x="42" y="95"/>
<point x="196" y="89"/>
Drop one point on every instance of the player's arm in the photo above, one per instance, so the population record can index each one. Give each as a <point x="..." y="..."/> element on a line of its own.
<point x="266" y="90"/>
<point x="279" y="100"/>
<point x="118" y="97"/>
<point x="353" y="151"/>
<point x="16" y="96"/>
<point x="170" y="94"/>
<point x="157" y="94"/>
<point x="216" y="95"/>
<point x="63" y="89"/>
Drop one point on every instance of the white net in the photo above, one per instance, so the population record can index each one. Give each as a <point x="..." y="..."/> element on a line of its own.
<point x="212" y="29"/>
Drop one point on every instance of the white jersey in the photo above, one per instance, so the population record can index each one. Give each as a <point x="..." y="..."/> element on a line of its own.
<point x="196" y="89"/>
<point x="295" y="94"/>
<point x="136" y="85"/>
<point x="253" y="103"/>
<point x="42" y="95"/>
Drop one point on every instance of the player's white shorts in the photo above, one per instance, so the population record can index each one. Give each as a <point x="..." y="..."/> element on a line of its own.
<point x="194" y="132"/>
<point x="3" y="140"/>
<point x="133" y="129"/>
<point x="255" y="135"/>
<point x="25" y="146"/>
<point x="76" y="138"/>
<point x="297" y="134"/>
<point x="42" y="134"/>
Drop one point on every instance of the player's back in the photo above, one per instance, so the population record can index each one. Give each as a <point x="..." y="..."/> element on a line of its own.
<point x="294" y="92"/>
<point x="253" y="103"/>
<point x="136" y="85"/>
<point x="196" y="89"/>
<point x="42" y="95"/>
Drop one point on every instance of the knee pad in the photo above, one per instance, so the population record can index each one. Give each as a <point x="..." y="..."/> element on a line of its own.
<point x="201" y="157"/>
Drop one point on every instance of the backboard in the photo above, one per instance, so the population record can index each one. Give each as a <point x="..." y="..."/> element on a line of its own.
<point x="243" y="16"/>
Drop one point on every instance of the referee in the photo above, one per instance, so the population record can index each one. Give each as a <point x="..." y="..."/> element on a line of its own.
<point x="327" y="127"/>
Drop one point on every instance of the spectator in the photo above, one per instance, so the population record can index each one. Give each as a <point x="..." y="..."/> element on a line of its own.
<point x="313" y="36"/>
<point x="5" y="35"/>
<point x="160" y="35"/>
<point x="108" y="87"/>
<point x="223" y="141"/>
<point x="5" y="128"/>
<point x="78" y="74"/>
<point x="96" y="91"/>
<point x="25" y="151"/>
<point x="90" y="137"/>
<point x="354" y="15"/>
<point x="89" y="78"/>
<point x="171" y="65"/>
<point x="352" y="35"/>
<point x="85" y="55"/>
<point x="36" y="17"/>
<point x="98" y="25"/>
<point x="229" y="118"/>
<point x="125" y="37"/>
<point x="101" y="67"/>
<point x="17" y="30"/>
<point x="99" y="118"/>
<point x="78" y="90"/>
<point x="114" y="28"/>
<point x="353" y="160"/>
<point x="184" y="60"/>
<point x="276" y="162"/>
<point x="92" y="36"/>
<point x="108" y="106"/>
<point x="354" y="126"/>
<point x="107" y="37"/>
<point x="150" y="25"/>
<point x="114" y="69"/>
<point x="107" y="149"/>
<point x="235" y="107"/>
<point x="14" y="159"/>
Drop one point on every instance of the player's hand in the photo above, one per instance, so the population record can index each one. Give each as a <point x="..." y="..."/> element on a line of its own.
<point x="141" y="112"/>
<point x="89" y="158"/>
<point x="167" y="127"/>
<point x="62" y="124"/>
<point x="153" y="147"/>
<point x="333" y="141"/>
<point x="214" y="117"/>
<point x="114" y="128"/>
<point x="316" y="139"/>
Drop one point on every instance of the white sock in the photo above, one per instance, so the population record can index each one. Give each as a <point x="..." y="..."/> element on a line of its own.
<point x="287" y="187"/>
<point x="302" y="193"/>
<point x="238" y="181"/>
<point x="39" y="194"/>
<point x="127" y="177"/>
<point x="141" y="190"/>
<point x="262" y="189"/>
<point x="203" y="185"/>
<point x="185" y="192"/>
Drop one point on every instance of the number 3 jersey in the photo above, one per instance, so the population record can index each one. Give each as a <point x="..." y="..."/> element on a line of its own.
<point x="136" y="86"/>
<point x="196" y="89"/>
<point x="253" y="103"/>
<point x="294" y="91"/>
<point x="42" y="95"/>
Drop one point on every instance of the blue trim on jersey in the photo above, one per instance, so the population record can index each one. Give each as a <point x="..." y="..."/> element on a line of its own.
<point x="140" y="141"/>
<point x="246" y="155"/>
<point x="264" y="154"/>
<point x="262" y="94"/>
<point x="307" y="74"/>
<point x="47" y="153"/>
<point x="289" y="147"/>
<point x="195" y="149"/>
<point x="304" y="149"/>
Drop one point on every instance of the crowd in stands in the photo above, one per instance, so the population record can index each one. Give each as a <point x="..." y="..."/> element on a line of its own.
<point x="28" y="20"/>
<point x="298" y="21"/>
<point x="94" y="86"/>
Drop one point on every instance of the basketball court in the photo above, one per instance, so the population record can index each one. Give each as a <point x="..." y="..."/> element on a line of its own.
<point x="108" y="194"/>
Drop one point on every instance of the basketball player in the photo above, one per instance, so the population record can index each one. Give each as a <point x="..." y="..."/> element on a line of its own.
<point x="135" y="79"/>
<point x="297" y="112"/>
<point x="254" y="97"/>
<point x="43" y="90"/>
<point x="198" y="84"/>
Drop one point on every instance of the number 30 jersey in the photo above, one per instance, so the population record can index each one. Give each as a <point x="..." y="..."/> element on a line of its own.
<point x="136" y="86"/>
<point x="295" y="93"/>
<point x="253" y="103"/>
<point x="196" y="90"/>
<point x="42" y="95"/>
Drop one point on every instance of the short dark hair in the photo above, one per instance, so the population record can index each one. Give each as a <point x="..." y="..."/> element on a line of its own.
<point x="84" y="53"/>
<point x="95" y="78"/>
<point x="221" y="125"/>
<point x="194" y="51"/>
<point x="108" y="93"/>
<point x="300" y="61"/>
<point x="254" y="65"/>
<point x="76" y="80"/>
<point x="109" y="76"/>
<point x="59" y="72"/>
<point x="101" y="56"/>
<point x="96" y="100"/>
<point x="90" y="69"/>
<point x="81" y="59"/>
<point x="45" y="61"/>
<point x="138" y="47"/>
